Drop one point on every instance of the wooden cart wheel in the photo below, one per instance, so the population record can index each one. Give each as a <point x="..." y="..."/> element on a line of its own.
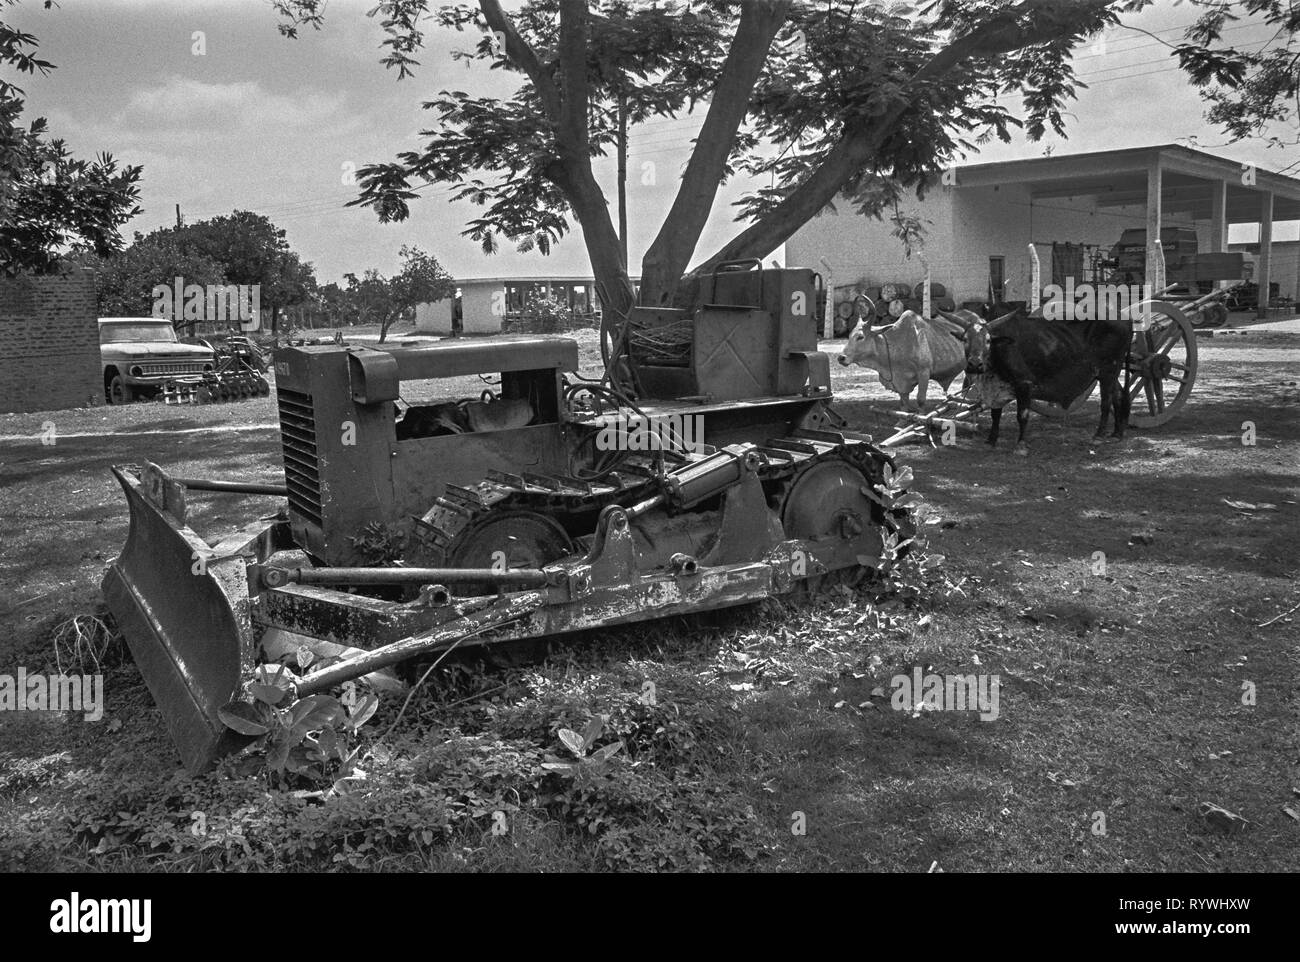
<point x="1162" y="364"/>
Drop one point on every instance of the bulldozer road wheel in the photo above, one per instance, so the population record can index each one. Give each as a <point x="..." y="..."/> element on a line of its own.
<point x="509" y="539"/>
<point x="826" y="500"/>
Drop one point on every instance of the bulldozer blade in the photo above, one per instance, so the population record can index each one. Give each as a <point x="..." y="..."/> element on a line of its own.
<point x="183" y="607"/>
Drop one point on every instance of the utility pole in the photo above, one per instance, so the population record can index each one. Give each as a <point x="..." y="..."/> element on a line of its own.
<point x="179" y="221"/>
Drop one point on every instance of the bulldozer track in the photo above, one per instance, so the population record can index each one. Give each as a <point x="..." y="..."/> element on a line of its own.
<point x="460" y="510"/>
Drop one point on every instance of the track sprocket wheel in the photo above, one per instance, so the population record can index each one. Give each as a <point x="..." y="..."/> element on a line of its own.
<point x="826" y="499"/>
<point x="520" y="539"/>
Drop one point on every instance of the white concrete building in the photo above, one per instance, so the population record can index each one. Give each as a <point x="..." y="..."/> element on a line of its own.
<point x="982" y="222"/>
<point x="486" y="302"/>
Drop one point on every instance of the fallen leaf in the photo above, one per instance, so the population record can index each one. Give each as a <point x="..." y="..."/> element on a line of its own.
<point x="1221" y="819"/>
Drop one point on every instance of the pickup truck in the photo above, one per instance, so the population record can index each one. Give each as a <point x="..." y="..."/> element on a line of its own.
<point x="141" y="354"/>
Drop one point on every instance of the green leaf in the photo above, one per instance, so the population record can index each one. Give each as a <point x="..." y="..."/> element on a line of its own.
<point x="268" y="694"/>
<point x="608" y="752"/>
<point x="349" y="764"/>
<point x="278" y="756"/>
<point x="315" y="711"/>
<point x="593" y="730"/>
<point x="573" y="741"/>
<point x="363" y="710"/>
<point x="242" y="717"/>
<point x="297" y="760"/>
<point x="327" y="743"/>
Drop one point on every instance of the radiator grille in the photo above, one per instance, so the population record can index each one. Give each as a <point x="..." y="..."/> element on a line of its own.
<point x="173" y="367"/>
<point x="301" y="465"/>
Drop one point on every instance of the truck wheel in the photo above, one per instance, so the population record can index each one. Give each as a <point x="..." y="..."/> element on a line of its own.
<point x="119" y="392"/>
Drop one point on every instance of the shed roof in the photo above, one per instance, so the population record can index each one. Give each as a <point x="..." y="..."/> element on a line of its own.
<point x="1118" y="178"/>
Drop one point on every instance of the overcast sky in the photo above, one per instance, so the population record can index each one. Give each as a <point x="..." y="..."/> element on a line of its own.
<point x="258" y="122"/>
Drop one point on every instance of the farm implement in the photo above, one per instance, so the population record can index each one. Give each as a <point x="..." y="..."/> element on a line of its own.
<point x="239" y="373"/>
<point x="705" y="470"/>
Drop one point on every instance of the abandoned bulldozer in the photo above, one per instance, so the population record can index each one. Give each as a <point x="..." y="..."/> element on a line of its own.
<point x="711" y="472"/>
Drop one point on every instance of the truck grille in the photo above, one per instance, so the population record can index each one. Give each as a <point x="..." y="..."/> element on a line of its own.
<point x="174" y="367"/>
<point x="301" y="466"/>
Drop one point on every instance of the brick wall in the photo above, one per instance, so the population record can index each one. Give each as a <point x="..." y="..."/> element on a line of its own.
<point x="49" y="342"/>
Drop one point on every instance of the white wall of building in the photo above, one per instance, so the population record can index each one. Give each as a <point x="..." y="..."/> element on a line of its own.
<point x="483" y="311"/>
<point x="483" y="303"/>
<point x="969" y="225"/>
<point x="434" y="318"/>
<point x="1284" y="270"/>
<point x="858" y="248"/>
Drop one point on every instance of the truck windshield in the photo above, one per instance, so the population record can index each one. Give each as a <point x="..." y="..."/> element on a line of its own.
<point x="137" y="332"/>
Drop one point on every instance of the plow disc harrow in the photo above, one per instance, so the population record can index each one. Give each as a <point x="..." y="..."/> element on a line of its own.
<point x="239" y="375"/>
<point x="216" y="388"/>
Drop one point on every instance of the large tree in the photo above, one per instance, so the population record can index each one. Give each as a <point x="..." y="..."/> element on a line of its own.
<point x="820" y="99"/>
<point x="51" y="202"/>
<point x="238" y="248"/>
<point x="125" y="281"/>
<point x="376" y="299"/>
<point x="252" y="250"/>
<point x="1253" y="92"/>
<point x="780" y="103"/>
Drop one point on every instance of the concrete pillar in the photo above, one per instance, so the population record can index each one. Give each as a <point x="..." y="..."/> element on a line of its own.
<point x="1218" y="216"/>
<point x="1153" y="225"/>
<point x="1262" y="270"/>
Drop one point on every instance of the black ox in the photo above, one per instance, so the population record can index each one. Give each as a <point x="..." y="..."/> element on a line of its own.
<point x="1034" y="359"/>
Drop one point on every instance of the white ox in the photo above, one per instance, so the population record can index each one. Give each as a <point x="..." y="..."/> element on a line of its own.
<point x="908" y="354"/>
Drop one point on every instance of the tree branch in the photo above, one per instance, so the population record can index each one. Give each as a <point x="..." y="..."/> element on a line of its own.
<point x="666" y="260"/>
<point x="1028" y="23"/>
<point x="573" y="131"/>
<point x="518" y="50"/>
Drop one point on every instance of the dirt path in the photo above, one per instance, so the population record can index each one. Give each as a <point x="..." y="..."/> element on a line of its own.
<point x="1125" y="688"/>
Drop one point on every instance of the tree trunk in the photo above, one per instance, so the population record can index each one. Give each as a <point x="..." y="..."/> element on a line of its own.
<point x="613" y="284"/>
<point x="622" y="176"/>
<point x="666" y="260"/>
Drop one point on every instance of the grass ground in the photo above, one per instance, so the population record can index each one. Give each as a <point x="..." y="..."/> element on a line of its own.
<point x="1121" y="696"/>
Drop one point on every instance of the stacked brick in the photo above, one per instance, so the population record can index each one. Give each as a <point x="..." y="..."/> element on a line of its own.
<point x="49" y="342"/>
